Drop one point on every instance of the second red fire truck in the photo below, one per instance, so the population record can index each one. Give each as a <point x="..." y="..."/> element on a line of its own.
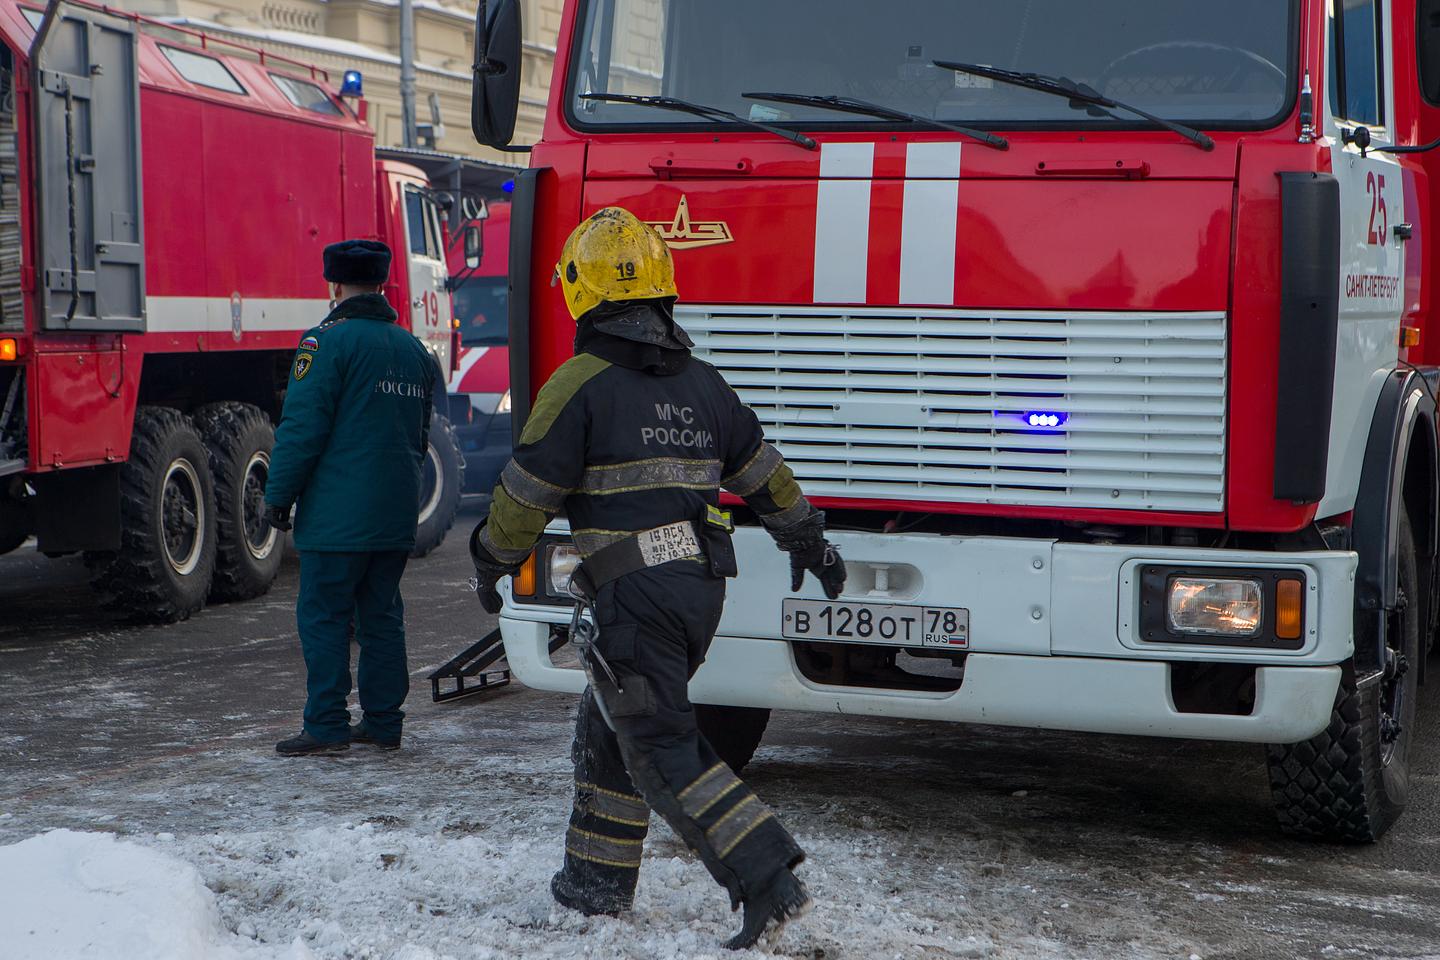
<point x="164" y="199"/>
<point x="1103" y="331"/>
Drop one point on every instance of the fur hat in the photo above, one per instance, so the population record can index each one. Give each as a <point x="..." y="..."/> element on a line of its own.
<point x="359" y="263"/>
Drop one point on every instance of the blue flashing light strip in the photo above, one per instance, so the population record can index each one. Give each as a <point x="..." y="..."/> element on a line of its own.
<point x="508" y="186"/>
<point x="1045" y="419"/>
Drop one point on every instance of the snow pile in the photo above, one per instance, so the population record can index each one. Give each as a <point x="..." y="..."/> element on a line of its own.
<point x="68" y="894"/>
<point x="472" y="891"/>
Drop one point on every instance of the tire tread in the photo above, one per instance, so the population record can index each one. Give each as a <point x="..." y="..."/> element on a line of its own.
<point x="223" y="427"/>
<point x="132" y="581"/>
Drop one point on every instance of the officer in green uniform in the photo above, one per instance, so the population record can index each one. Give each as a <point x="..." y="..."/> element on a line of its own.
<point x="349" y="450"/>
<point x="634" y="438"/>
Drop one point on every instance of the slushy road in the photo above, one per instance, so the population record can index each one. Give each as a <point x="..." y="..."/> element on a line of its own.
<point x="926" y="840"/>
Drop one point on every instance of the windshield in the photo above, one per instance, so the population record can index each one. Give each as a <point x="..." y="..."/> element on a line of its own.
<point x="1219" y="63"/>
<point x="480" y="306"/>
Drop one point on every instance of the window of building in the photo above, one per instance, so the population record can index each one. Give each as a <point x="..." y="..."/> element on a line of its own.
<point x="305" y="95"/>
<point x="202" y="70"/>
<point x="1356" y="62"/>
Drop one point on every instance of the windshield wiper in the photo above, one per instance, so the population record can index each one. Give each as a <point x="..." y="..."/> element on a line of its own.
<point x="852" y="105"/>
<point x="1078" y="94"/>
<point x="701" y="110"/>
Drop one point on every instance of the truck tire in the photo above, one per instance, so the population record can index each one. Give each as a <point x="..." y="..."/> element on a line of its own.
<point x="1350" y="783"/>
<point x="734" y="732"/>
<point x="248" y="551"/>
<point x="166" y="561"/>
<point x="442" y="478"/>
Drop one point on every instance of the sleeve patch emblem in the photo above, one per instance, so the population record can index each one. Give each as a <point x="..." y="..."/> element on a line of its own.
<point x="310" y="343"/>
<point x="303" y="363"/>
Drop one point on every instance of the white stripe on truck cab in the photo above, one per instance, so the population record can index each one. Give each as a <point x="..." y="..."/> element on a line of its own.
<point x="928" y="220"/>
<point x="842" y="222"/>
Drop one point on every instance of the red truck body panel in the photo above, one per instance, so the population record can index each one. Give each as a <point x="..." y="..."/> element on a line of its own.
<point x="241" y="194"/>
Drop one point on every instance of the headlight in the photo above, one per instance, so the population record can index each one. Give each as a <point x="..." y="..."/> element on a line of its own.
<point x="1233" y="608"/>
<point x="1224" y="606"/>
<point x="546" y="573"/>
<point x="559" y="567"/>
<point x="504" y="405"/>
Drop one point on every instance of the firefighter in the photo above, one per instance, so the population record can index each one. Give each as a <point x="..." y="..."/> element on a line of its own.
<point x="634" y="438"/>
<point x="349" y="450"/>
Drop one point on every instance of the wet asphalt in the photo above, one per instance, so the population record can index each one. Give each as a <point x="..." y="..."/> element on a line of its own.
<point x="1151" y="845"/>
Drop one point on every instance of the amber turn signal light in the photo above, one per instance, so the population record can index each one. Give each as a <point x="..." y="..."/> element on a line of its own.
<point x="524" y="581"/>
<point x="1409" y="337"/>
<point x="1289" y="609"/>
<point x="9" y="349"/>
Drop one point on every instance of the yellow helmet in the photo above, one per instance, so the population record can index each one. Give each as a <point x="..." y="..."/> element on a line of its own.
<point x="613" y="256"/>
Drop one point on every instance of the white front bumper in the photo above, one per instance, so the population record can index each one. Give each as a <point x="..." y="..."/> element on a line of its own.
<point x="1054" y="639"/>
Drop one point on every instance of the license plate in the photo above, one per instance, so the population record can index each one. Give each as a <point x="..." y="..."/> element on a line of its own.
<point x="894" y="624"/>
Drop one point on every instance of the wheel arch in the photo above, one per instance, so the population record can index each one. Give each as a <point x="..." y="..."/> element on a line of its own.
<point x="1401" y="466"/>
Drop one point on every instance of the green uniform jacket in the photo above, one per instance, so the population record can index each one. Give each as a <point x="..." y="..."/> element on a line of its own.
<point x="354" y="430"/>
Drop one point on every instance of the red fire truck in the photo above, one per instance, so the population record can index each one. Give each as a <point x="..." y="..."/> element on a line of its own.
<point x="164" y="199"/>
<point x="1101" y="330"/>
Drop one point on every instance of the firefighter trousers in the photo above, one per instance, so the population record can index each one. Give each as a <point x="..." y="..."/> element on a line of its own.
<point x="655" y="627"/>
<point x="336" y="591"/>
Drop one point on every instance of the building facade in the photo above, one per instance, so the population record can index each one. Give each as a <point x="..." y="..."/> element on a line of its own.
<point x="364" y="35"/>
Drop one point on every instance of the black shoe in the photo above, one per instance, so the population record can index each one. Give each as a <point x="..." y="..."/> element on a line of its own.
<point x="566" y="897"/>
<point x="359" y="733"/>
<point x="782" y="900"/>
<point x="303" y="745"/>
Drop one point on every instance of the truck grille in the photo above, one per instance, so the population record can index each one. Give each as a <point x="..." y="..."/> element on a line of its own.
<point x="935" y="405"/>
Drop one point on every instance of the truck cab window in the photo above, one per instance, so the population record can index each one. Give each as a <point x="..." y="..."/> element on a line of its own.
<point x="415" y="224"/>
<point x="481" y="306"/>
<point x="306" y="95"/>
<point x="1356" y="61"/>
<point x="1428" y="25"/>
<point x="422" y="224"/>
<point x="1225" y="63"/>
<point x="202" y="70"/>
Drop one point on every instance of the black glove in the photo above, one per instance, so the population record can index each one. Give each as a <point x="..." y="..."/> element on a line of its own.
<point x="277" y="517"/>
<point x="485" y="581"/>
<point x="488" y="572"/>
<point x="809" y="550"/>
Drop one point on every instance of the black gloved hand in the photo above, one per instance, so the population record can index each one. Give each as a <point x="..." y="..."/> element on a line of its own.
<point x="277" y="517"/>
<point x="485" y="582"/>
<point x="809" y="550"/>
<point x="488" y="572"/>
<point x="824" y="562"/>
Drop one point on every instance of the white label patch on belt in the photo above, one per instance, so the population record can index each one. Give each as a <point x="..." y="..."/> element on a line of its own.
<point x="663" y="544"/>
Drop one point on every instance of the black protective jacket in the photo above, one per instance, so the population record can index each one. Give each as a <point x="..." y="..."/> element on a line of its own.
<point x="627" y="436"/>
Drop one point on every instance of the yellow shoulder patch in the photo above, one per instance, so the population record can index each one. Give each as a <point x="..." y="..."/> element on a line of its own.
<point x="303" y="363"/>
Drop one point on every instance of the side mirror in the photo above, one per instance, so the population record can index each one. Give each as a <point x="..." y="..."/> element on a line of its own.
<point x="474" y="246"/>
<point x="495" y="94"/>
<point x="1360" y="137"/>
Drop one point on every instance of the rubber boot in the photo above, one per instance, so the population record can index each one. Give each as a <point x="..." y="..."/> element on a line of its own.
<point x="568" y="895"/>
<point x="781" y="900"/>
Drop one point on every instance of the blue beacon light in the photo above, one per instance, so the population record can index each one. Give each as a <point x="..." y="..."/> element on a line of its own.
<point x="353" y="85"/>
<point x="508" y="186"/>
<point x="1046" y="418"/>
